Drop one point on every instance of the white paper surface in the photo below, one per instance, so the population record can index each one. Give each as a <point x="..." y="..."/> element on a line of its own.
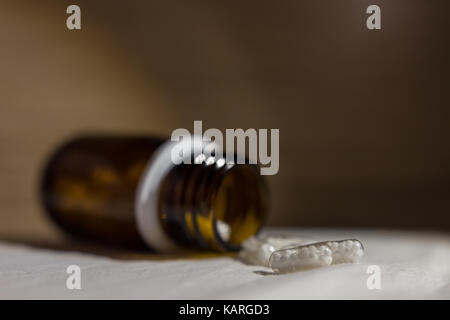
<point x="413" y="265"/>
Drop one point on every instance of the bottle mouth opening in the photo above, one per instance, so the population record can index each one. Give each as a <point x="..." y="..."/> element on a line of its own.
<point x="212" y="206"/>
<point x="239" y="205"/>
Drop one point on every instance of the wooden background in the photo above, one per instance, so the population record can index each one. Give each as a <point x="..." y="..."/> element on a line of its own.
<point x="363" y="115"/>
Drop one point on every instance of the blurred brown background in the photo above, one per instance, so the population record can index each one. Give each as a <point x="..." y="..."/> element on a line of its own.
<point x="363" y="115"/>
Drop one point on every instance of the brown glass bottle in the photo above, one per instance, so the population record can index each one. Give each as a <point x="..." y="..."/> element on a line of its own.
<point x="125" y="191"/>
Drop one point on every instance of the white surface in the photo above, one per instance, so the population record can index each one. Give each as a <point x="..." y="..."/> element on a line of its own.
<point x="413" y="265"/>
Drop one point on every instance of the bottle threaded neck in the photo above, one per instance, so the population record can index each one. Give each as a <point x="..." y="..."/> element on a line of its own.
<point x="212" y="204"/>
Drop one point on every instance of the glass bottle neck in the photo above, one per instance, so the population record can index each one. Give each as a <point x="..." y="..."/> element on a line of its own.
<point x="212" y="204"/>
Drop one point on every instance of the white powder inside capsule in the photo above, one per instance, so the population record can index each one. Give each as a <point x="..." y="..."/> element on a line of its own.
<point x="288" y="254"/>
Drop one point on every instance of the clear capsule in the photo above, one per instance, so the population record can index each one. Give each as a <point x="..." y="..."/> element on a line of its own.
<point x="300" y="258"/>
<point x="289" y="254"/>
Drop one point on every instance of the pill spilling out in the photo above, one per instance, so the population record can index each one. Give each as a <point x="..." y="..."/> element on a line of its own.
<point x="289" y="254"/>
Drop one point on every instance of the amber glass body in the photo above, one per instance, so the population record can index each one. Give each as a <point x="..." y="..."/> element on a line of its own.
<point x="89" y="187"/>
